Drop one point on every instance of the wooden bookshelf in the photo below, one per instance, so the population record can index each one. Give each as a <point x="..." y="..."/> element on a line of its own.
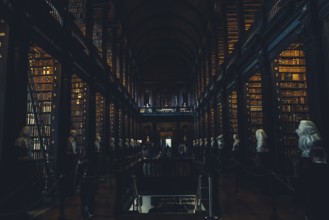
<point x="206" y="70"/>
<point x="120" y="124"/>
<point x="250" y="8"/>
<point x="97" y="35"/>
<point x="100" y="114"/>
<point x="233" y="113"/>
<point x="292" y="98"/>
<point x="110" y="56"/>
<point x="212" y="122"/>
<point x="206" y="124"/>
<point x="220" y="117"/>
<point x="220" y="41"/>
<point x="254" y="110"/>
<point x="112" y="120"/>
<point x="78" y="9"/>
<point x="202" y="77"/>
<point x="126" y="124"/>
<point x="232" y="24"/>
<point x="79" y="108"/>
<point x="4" y="33"/>
<point x="43" y="76"/>
<point x="213" y="63"/>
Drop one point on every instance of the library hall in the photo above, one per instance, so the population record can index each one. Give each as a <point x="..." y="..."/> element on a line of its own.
<point x="164" y="109"/>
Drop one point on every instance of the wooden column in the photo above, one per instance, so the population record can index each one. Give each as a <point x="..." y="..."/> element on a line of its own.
<point x="4" y="41"/>
<point x="215" y="106"/>
<point x="241" y="21"/>
<point x="106" y="125"/>
<point x="269" y="122"/>
<point x="105" y="34"/>
<point x="114" y="52"/>
<point x="225" y="110"/>
<point x="13" y="88"/>
<point x="225" y="31"/>
<point x="242" y="127"/>
<point x="317" y="76"/>
<point x="89" y="22"/>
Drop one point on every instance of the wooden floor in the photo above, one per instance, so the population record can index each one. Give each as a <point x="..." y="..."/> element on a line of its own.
<point x="252" y="202"/>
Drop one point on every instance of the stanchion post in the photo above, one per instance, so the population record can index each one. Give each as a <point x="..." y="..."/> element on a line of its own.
<point x="237" y="177"/>
<point x="61" y="198"/>
<point x="210" y="196"/>
<point x="274" y="215"/>
<point x="199" y="193"/>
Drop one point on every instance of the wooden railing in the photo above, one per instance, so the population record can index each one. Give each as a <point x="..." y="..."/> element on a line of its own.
<point x="165" y="110"/>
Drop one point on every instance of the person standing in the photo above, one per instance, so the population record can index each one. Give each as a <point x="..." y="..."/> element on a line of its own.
<point x="98" y="155"/>
<point x="146" y="155"/>
<point x="72" y="158"/>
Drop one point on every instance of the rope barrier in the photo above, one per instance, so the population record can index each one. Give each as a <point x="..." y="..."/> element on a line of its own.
<point x="11" y="194"/>
<point x="33" y="204"/>
<point x="283" y="182"/>
<point x="266" y="173"/>
<point x="61" y="178"/>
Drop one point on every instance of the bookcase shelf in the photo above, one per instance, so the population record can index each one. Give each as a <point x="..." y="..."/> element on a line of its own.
<point x="220" y="117"/>
<point x="43" y="75"/>
<point x="126" y="123"/>
<point x="100" y="114"/>
<point x="292" y="99"/>
<point x="254" y="109"/>
<point x="206" y="123"/>
<point x="112" y="119"/>
<point x="78" y="9"/>
<point x="212" y="122"/>
<point x="120" y="123"/>
<point x="233" y="114"/>
<point x="79" y="108"/>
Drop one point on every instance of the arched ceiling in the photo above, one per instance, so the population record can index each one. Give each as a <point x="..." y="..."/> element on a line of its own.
<point x="164" y="35"/>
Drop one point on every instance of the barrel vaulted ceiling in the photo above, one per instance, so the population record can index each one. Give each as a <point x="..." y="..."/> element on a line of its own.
<point x="166" y="38"/>
<point x="164" y="35"/>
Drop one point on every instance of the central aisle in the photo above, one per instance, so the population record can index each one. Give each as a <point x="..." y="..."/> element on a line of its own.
<point x="251" y="203"/>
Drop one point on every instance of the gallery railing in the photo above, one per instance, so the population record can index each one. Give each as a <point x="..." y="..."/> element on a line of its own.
<point x="165" y="110"/>
<point x="169" y="185"/>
